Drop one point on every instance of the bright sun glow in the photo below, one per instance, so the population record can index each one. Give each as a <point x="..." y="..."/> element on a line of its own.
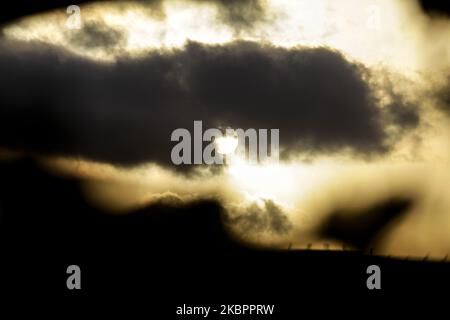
<point x="227" y="144"/>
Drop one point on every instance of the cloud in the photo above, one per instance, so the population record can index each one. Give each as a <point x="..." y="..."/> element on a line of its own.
<point x="124" y="112"/>
<point x="256" y="219"/>
<point x="326" y="102"/>
<point x="97" y="35"/>
<point x="241" y="14"/>
<point x="443" y="96"/>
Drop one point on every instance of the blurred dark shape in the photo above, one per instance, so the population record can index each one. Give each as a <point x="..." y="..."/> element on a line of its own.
<point x="362" y="229"/>
<point x="50" y="210"/>
<point x="173" y="253"/>
<point x="435" y="6"/>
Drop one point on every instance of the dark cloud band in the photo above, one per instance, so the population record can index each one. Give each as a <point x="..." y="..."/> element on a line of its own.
<point x="124" y="112"/>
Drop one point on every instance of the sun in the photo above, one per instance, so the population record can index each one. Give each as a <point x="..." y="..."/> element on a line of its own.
<point x="227" y="144"/>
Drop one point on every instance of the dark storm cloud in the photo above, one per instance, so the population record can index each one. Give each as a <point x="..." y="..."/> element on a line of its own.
<point x="124" y="113"/>
<point x="256" y="219"/>
<point x="316" y="97"/>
